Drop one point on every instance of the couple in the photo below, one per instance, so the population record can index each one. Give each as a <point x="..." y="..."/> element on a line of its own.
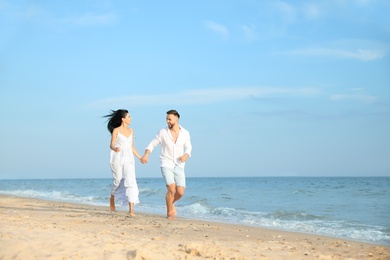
<point x="175" y="150"/>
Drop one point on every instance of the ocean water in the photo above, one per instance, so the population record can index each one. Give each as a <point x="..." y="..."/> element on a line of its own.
<point x="356" y="208"/>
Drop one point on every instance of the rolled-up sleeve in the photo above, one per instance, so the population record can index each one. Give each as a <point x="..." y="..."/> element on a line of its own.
<point x="155" y="142"/>
<point x="188" y="146"/>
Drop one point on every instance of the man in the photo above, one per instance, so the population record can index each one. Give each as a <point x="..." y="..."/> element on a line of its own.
<point x="175" y="150"/>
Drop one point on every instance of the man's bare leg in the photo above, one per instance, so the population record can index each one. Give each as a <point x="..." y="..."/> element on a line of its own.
<point x="131" y="209"/>
<point x="112" y="203"/>
<point x="169" y="198"/>
<point x="178" y="194"/>
<point x="174" y="212"/>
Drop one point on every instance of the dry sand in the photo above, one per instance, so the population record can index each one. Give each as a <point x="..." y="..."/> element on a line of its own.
<point x="38" y="229"/>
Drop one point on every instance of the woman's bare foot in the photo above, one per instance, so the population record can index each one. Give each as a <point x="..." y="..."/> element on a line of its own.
<point x="131" y="210"/>
<point x="112" y="203"/>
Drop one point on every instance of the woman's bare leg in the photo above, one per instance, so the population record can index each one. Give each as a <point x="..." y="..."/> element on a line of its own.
<point x="112" y="203"/>
<point x="131" y="209"/>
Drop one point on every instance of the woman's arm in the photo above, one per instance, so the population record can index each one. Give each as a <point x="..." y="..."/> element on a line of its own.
<point x="113" y="139"/>
<point x="135" y="152"/>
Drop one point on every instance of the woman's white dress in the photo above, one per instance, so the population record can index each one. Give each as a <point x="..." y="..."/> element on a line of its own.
<point x="122" y="164"/>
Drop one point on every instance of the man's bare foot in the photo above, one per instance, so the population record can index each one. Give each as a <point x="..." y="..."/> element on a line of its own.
<point x="112" y="203"/>
<point x="174" y="212"/>
<point x="171" y="217"/>
<point x="171" y="214"/>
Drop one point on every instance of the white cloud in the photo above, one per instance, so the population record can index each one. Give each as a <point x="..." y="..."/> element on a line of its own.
<point x="288" y="11"/>
<point x="34" y="11"/>
<point x="363" y="2"/>
<point x="249" y="33"/>
<point x="311" y="10"/>
<point x="3" y="4"/>
<point x="217" y="28"/>
<point x="44" y="15"/>
<point x="18" y="13"/>
<point x="360" y="54"/>
<point x="93" y="19"/>
<point x="203" y="96"/>
<point x="354" y="97"/>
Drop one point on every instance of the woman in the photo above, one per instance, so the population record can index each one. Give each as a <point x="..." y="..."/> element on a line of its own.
<point x="122" y="159"/>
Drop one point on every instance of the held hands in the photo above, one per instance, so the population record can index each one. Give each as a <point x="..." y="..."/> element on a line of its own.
<point x="144" y="159"/>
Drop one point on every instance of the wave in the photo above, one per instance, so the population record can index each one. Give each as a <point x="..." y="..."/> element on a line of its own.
<point x="57" y="196"/>
<point x="147" y="192"/>
<point x="297" y="221"/>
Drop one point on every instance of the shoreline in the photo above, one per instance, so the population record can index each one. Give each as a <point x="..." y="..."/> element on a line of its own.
<point x="34" y="228"/>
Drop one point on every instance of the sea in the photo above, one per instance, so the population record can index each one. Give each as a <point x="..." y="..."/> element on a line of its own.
<point x="354" y="208"/>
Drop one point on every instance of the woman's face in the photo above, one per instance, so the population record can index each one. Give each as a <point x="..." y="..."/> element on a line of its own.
<point x="127" y="119"/>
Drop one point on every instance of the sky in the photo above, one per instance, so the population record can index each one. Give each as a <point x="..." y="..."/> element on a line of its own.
<point x="265" y="88"/>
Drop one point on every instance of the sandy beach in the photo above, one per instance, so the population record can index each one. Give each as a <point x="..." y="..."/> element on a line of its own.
<point x="38" y="229"/>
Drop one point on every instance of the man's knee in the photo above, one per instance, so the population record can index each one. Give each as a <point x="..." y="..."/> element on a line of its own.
<point x="171" y="188"/>
<point x="180" y="191"/>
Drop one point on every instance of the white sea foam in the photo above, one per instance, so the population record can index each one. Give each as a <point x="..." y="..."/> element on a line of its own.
<point x="54" y="195"/>
<point x="298" y="221"/>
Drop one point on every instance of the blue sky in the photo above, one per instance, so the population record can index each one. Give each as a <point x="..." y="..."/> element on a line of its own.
<point x="266" y="88"/>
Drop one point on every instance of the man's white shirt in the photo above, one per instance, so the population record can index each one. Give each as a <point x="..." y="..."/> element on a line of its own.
<point x="171" y="151"/>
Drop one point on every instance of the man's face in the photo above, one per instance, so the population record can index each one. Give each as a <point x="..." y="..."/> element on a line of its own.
<point x="171" y="120"/>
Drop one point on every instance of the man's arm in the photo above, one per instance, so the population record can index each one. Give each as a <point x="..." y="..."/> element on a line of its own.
<point x="184" y="157"/>
<point x="156" y="141"/>
<point x="187" y="150"/>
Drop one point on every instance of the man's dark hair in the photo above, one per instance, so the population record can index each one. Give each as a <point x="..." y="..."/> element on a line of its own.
<point x="173" y="112"/>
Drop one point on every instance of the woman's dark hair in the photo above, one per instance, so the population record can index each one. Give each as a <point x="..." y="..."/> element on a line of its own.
<point x="173" y="112"/>
<point x="115" y="119"/>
